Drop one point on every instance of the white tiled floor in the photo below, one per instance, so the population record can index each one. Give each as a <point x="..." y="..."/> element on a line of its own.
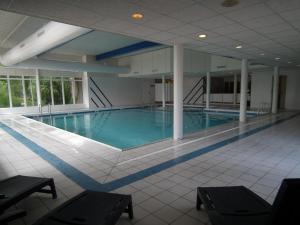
<point x="259" y="162"/>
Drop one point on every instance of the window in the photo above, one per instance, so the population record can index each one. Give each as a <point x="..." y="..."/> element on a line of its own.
<point x="21" y="91"/>
<point x="78" y="91"/>
<point x="4" y="98"/>
<point x="68" y="90"/>
<point x="45" y="91"/>
<point x="16" y="88"/>
<point x="30" y="91"/>
<point x="57" y="91"/>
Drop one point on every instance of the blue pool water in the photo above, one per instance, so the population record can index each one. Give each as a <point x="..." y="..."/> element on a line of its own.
<point x="129" y="128"/>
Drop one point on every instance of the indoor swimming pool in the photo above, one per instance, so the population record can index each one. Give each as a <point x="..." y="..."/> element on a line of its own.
<point x="130" y="128"/>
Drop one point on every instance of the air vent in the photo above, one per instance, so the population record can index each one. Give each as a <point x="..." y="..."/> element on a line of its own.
<point x="230" y="3"/>
<point x="221" y="67"/>
<point x="40" y="33"/>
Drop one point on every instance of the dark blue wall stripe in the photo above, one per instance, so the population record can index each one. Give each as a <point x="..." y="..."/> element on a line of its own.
<point x="87" y="182"/>
<point x="127" y="49"/>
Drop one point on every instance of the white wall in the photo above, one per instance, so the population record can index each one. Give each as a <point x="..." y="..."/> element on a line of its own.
<point x="261" y="88"/>
<point x="123" y="91"/>
<point x="292" y="100"/>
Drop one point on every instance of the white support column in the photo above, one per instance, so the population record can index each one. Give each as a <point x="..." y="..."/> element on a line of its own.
<point x="51" y="91"/>
<point x="234" y="88"/>
<point x="73" y="90"/>
<point x="178" y="92"/>
<point x="163" y="91"/>
<point x="63" y="90"/>
<point x="85" y="85"/>
<point x="244" y="87"/>
<point x="38" y="89"/>
<point x="24" y="92"/>
<point x="207" y="89"/>
<point x="9" y="91"/>
<point x="275" y="90"/>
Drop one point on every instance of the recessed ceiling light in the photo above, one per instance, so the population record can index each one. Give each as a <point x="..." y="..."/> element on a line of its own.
<point x="289" y="62"/>
<point x="262" y="53"/>
<point x="277" y="58"/>
<point x="202" y="35"/>
<point x="230" y="3"/>
<point x="137" y="16"/>
<point x="238" y="46"/>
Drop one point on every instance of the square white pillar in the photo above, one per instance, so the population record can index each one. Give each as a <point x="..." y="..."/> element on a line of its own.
<point x="244" y="88"/>
<point x="178" y="92"/>
<point x="275" y="90"/>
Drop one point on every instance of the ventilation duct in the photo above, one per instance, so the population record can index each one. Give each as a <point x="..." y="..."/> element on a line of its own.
<point x="49" y="36"/>
<point x="70" y="66"/>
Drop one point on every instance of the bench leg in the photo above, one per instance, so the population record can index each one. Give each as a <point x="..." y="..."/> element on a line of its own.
<point x="130" y="210"/>
<point x="199" y="203"/>
<point x="53" y="189"/>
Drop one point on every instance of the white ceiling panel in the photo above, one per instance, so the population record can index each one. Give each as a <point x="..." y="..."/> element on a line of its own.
<point x="283" y="5"/>
<point x="248" y="13"/>
<point x="217" y="6"/>
<point x="291" y="15"/>
<point x="272" y="19"/>
<point x="230" y="29"/>
<point x="280" y="27"/>
<point x="163" y="6"/>
<point x="163" y="23"/>
<point x="193" y="13"/>
<point x="213" y="22"/>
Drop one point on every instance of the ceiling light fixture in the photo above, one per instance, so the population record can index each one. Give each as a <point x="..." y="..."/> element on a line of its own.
<point x="277" y="58"/>
<point x="289" y="62"/>
<point x="239" y="46"/>
<point x="230" y="3"/>
<point x="262" y="54"/>
<point x="202" y="35"/>
<point x="137" y="16"/>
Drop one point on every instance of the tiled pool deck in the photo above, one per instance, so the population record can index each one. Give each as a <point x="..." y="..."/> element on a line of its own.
<point x="162" y="177"/>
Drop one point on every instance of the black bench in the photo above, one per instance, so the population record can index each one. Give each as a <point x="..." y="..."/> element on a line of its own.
<point x="90" y="208"/>
<point x="238" y="205"/>
<point x="15" y="189"/>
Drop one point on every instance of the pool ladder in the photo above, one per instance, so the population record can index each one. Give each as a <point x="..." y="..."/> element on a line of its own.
<point x="49" y="109"/>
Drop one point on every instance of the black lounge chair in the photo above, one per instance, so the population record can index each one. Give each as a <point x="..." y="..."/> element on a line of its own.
<point x="90" y="208"/>
<point x="238" y="205"/>
<point x="15" y="189"/>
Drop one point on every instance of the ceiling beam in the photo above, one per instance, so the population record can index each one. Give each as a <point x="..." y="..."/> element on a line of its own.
<point x="128" y="49"/>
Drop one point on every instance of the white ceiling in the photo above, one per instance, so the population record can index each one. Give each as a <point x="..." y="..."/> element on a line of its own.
<point x="94" y="43"/>
<point x="271" y="27"/>
<point x="15" y="27"/>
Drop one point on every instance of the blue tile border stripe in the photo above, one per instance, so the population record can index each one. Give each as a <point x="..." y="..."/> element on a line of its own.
<point x="87" y="182"/>
<point x="173" y="162"/>
<point x="71" y="172"/>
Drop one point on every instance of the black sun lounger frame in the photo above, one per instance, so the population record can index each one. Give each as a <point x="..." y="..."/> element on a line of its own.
<point x="15" y="189"/>
<point x="237" y="205"/>
<point x="90" y="208"/>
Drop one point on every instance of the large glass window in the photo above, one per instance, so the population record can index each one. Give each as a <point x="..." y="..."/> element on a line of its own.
<point x="16" y="88"/>
<point x="57" y="91"/>
<point x="68" y="90"/>
<point x="30" y="91"/>
<point x="23" y="90"/>
<point x="4" y="99"/>
<point x="78" y="91"/>
<point x="45" y="91"/>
